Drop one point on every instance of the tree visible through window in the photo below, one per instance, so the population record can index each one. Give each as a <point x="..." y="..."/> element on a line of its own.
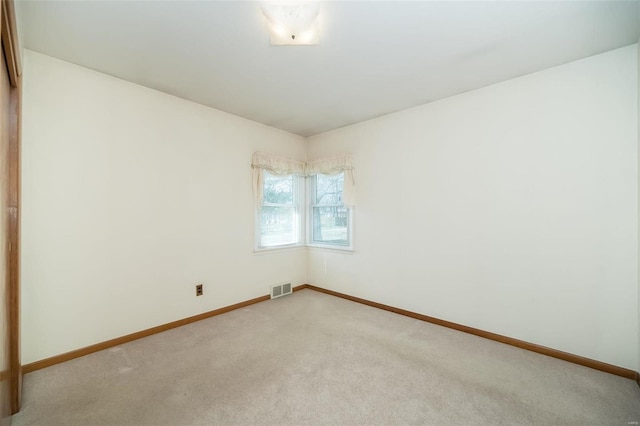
<point x="329" y="217"/>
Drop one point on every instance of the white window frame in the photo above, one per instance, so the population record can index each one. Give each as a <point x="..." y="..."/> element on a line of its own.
<point x="311" y="187"/>
<point x="299" y="205"/>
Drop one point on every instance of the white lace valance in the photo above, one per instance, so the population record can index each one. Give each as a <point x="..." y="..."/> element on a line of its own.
<point x="277" y="165"/>
<point x="332" y="166"/>
<point x="329" y="166"/>
<point x="281" y="166"/>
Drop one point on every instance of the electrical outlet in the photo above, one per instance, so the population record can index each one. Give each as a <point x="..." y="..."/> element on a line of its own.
<point x="199" y="290"/>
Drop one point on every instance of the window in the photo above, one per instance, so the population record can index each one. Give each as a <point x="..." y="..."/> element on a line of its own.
<point x="330" y="220"/>
<point x="279" y="214"/>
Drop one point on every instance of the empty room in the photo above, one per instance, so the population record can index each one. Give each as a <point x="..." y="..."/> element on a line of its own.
<point x="334" y="212"/>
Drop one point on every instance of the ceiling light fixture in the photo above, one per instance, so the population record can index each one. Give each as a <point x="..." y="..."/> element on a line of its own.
<point x="293" y="22"/>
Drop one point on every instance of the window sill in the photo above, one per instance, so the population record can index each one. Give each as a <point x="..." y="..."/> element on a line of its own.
<point x="337" y="249"/>
<point x="318" y="247"/>
<point x="278" y="249"/>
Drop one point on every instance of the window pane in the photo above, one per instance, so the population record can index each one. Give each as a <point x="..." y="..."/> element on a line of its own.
<point x="331" y="225"/>
<point x="278" y="226"/>
<point x="278" y="189"/>
<point x="329" y="189"/>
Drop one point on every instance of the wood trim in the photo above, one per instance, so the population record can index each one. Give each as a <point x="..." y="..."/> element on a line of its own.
<point x="11" y="53"/>
<point x="10" y="41"/>
<point x="14" y="309"/>
<point x="57" y="359"/>
<point x="576" y="359"/>
<point x="10" y="45"/>
<point x="15" y="122"/>
<point x="14" y="225"/>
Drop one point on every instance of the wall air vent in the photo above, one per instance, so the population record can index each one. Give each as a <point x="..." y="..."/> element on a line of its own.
<point x="279" y="290"/>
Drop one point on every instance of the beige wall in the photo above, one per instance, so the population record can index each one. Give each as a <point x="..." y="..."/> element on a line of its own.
<point x="130" y="198"/>
<point x="512" y="209"/>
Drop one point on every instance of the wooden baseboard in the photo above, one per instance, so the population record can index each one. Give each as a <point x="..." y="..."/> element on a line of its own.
<point x="57" y="359"/>
<point x="576" y="359"/>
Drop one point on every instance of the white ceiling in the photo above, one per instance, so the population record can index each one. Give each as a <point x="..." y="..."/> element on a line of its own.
<point x="374" y="57"/>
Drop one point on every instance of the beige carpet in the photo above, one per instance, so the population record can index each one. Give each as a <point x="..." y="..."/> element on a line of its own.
<point x="311" y="358"/>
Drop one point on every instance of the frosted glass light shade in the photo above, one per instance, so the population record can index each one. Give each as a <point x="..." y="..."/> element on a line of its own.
<point x="292" y="23"/>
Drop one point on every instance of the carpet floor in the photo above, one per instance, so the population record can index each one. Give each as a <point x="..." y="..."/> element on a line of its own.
<point x="314" y="359"/>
